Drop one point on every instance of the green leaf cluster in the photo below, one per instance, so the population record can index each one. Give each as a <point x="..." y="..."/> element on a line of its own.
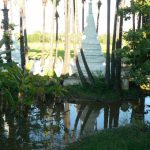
<point x="137" y="52"/>
<point x="18" y="87"/>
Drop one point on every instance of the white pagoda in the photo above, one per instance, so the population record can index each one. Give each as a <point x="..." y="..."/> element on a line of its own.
<point x="91" y="47"/>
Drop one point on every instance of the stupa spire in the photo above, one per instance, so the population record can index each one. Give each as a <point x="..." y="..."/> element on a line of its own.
<point x="91" y="47"/>
<point x="90" y="7"/>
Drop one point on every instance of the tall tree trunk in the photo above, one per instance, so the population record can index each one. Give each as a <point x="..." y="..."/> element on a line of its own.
<point x="81" y="75"/>
<point x="99" y="5"/>
<point x="73" y="28"/>
<point x="6" y="24"/>
<point x="114" y="43"/>
<point x="22" y="50"/>
<point x="56" y="50"/>
<point x="133" y="21"/>
<point x="83" y="2"/>
<point x="133" y="17"/>
<point x="11" y="11"/>
<point x="118" y="57"/>
<point x="25" y="31"/>
<point x="52" y="35"/>
<point x="107" y="74"/>
<point x="106" y="116"/>
<point x="43" y="38"/>
<point x="56" y="3"/>
<point x="90" y="76"/>
<point x="139" y="21"/>
<point x="25" y="34"/>
<point x="77" y="28"/>
<point x="66" y="65"/>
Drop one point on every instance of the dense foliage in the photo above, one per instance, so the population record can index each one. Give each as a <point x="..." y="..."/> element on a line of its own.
<point x="18" y="87"/>
<point x="136" y="53"/>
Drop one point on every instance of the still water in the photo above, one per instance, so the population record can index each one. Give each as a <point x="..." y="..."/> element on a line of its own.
<point x="53" y="125"/>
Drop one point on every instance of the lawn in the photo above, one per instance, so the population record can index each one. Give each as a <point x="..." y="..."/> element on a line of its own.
<point x="124" y="138"/>
<point x="35" y="49"/>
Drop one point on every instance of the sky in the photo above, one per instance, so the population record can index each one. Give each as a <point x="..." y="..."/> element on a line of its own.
<point x="34" y="15"/>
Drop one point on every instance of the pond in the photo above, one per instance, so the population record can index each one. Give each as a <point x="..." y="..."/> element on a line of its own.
<point x="54" y="125"/>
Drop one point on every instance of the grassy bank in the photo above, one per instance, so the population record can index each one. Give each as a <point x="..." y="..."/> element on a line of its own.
<point x="99" y="92"/>
<point x="124" y="138"/>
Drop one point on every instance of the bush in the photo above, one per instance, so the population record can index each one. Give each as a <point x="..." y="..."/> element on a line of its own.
<point x="37" y="37"/>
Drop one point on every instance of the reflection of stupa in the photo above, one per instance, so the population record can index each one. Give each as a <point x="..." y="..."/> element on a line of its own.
<point x="88" y="120"/>
<point x="91" y="47"/>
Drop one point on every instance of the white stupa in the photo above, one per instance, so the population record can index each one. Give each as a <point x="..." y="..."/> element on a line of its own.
<point x="91" y="47"/>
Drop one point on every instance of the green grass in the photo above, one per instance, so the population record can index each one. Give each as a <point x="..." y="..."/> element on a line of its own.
<point x="93" y="93"/>
<point x="100" y="92"/>
<point x="124" y="138"/>
<point x="35" y="50"/>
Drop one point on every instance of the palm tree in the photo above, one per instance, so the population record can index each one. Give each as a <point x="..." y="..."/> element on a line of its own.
<point x="107" y="74"/>
<point x="99" y="6"/>
<point x="66" y="65"/>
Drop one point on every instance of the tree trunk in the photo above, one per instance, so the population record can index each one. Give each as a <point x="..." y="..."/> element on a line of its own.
<point x="139" y="21"/>
<point x="133" y="21"/>
<point x="43" y="39"/>
<point x="118" y="68"/>
<point x="133" y="17"/>
<point x="52" y="35"/>
<point x="106" y="116"/>
<point x="81" y="75"/>
<point x="22" y="50"/>
<point x="77" y="28"/>
<point x="66" y="65"/>
<point x="99" y="5"/>
<point x="118" y="55"/>
<point x="107" y="74"/>
<point x="83" y="1"/>
<point x="73" y="28"/>
<point x="25" y="34"/>
<point x="114" y="44"/>
<point x="11" y="11"/>
<point x="56" y="50"/>
<point x="56" y="34"/>
<point x="90" y="76"/>
<point x="6" y="24"/>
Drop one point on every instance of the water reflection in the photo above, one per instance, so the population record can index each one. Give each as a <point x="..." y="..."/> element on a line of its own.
<point x="53" y="125"/>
